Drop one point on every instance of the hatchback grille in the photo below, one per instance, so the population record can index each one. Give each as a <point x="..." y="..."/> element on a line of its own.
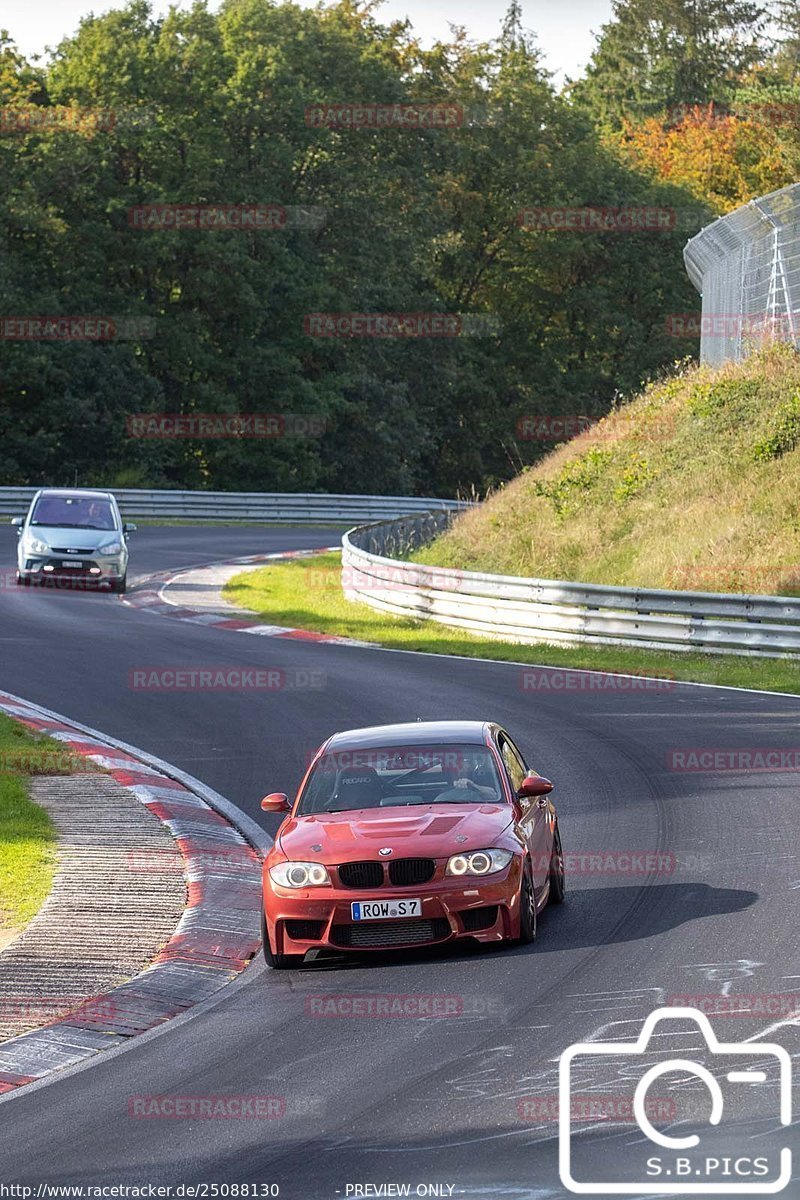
<point x="479" y="918"/>
<point x="408" y="872"/>
<point x="304" y="931"/>
<point x="391" y="933"/>
<point x="72" y="550"/>
<point x="361" y="874"/>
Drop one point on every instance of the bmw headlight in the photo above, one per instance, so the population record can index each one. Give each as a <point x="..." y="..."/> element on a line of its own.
<point x="111" y="548"/>
<point x="300" y="874"/>
<point x="479" y="862"/>
<point x="37" y="547"/>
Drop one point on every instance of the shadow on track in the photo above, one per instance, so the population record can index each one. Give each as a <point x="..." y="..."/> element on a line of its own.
<point x="592" y="917"/>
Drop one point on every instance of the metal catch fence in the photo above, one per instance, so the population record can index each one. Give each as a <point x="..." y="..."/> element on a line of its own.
<point x="746" y="267"/>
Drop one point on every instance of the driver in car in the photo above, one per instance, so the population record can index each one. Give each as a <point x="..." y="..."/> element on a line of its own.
<point x="98" y="517"/>
<point x="476" y="775"/>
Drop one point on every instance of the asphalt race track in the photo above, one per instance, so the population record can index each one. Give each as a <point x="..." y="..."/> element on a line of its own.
<point x="401" y="1100"/>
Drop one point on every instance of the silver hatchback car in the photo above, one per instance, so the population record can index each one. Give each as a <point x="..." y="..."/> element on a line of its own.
<point x="75" y="537"/>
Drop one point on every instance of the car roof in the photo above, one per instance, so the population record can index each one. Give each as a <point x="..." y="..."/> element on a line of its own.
<point x="87" y="492"/>
<point x="412" y="733"/>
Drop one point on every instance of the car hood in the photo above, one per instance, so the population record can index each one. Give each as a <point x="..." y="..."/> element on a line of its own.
<point x="73" y="539"/>
<point x="427" y="831"/>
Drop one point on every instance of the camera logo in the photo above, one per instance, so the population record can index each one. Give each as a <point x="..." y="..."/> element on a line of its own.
<point x="684" y="1165"/>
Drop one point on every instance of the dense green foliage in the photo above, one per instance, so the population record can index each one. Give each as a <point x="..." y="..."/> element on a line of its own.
<point x="656" y="55"/>
<point x="210" y="109"/>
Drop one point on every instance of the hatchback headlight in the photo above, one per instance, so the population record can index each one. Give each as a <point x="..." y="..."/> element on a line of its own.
<point x="300" y="874"/>
<point x="478" y="862"/>
<point x="111" y="548"/>
<point x="38" y="547"/>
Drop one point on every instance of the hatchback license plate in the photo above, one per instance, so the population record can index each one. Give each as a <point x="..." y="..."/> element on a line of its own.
<point x="382" y="910"/>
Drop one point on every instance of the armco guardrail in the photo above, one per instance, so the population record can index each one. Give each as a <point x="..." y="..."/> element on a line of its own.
<point x="296" y="507"/>
<point x="561" y="613"/>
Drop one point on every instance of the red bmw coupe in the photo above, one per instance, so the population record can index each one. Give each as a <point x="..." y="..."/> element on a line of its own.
<point x="410" y="835"/>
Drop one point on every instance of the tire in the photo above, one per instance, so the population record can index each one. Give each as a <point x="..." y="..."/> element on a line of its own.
<point x="119" y="585"/>
<point x="527" y="910"/>
<point x="22" y="580"/>
<point x="557" y="880"/>
<point x="278" y="962"/>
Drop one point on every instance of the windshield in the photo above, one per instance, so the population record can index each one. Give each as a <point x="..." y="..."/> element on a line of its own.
<point x="74" y="512"/>
<point x="399" y="776"/>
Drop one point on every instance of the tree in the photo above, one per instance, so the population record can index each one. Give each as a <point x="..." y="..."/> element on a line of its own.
<point x="724" y="160"/>
<point x="787" y="19"/>
<point x="211" y="108"/>
<point x="655" y="55"/>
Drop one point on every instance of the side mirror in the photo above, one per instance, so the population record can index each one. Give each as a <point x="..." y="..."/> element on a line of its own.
<point x="18" y="521"/>
<point x="535" y="785"/>
<point x="128" y="528"/>
<point x="276" y="802"/>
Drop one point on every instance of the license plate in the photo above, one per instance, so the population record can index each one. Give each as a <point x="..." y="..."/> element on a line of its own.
<point x="381" y="910"/>
<point x="72" y="562"/>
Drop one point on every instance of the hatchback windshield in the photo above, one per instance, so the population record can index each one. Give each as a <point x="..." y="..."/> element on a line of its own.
<point x="74" y="512"/>
<point x="393" y="776"/>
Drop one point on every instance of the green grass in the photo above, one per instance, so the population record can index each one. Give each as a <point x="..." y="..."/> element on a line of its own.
<point x="27" y="836"/>
<point x="307" y="594"/>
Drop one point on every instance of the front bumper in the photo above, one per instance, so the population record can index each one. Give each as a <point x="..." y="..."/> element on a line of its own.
<point x="320" y="918"/>
<point x="81" y="573"/>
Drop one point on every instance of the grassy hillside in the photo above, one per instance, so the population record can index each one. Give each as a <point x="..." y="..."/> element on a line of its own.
<point x="695" y="484"/>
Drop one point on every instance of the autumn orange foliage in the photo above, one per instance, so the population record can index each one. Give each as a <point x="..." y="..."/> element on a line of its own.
<point x="723" y="159"/>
